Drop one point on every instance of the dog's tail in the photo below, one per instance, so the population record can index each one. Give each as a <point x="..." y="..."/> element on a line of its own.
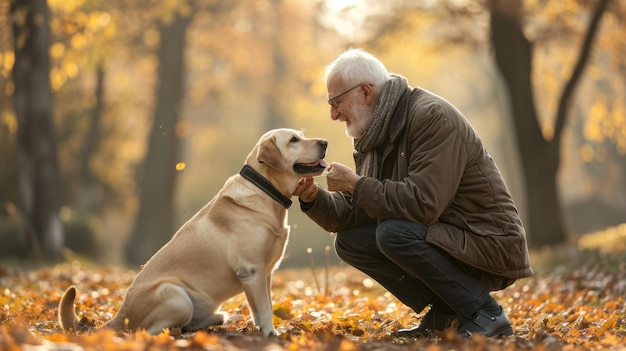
<point x="67" y="317"/>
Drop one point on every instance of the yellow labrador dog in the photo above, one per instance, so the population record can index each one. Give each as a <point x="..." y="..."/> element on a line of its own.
<point x="231" y="245"/>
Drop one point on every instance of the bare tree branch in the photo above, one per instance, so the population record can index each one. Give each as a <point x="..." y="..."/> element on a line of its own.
<point x="585" y="51"/>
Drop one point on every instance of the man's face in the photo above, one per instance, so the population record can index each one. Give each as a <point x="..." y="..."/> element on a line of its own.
<point x="349" y="104"/>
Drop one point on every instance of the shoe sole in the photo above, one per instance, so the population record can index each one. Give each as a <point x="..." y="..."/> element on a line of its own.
<point x="506" y="331"/>
<point x="502" y="332"/>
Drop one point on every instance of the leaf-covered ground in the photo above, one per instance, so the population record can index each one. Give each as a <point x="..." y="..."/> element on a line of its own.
<point x="574" y="302"/>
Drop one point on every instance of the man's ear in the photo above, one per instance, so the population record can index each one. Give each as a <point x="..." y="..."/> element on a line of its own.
<point x="368" y="92"/>
<point x="270" y="154"/>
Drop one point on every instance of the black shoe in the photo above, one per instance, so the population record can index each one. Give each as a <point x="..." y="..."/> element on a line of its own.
<point x="432" y="322"/>
<point x="487" y="324"/>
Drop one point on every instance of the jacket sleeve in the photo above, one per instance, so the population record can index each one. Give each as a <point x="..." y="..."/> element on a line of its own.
<point x="436" y="161"/>
<point x="334" y="211"/>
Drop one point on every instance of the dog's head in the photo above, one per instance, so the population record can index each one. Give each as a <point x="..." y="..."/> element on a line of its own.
<point x="284" y="156"/>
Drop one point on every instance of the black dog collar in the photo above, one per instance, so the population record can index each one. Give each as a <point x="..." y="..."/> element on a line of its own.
<point x="257" y="179"/>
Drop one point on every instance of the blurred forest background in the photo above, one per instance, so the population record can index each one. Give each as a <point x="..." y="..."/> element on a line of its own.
<point x="120" y="119"/>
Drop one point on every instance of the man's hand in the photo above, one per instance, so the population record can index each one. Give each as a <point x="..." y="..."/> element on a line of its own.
<point x="341" y="178"/>
<point x="306" y="189"/>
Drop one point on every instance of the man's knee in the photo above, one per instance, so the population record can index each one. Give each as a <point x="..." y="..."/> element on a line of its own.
<point x="348" y="244"/>
<point x="357" y="245"/>
<point x="342" y="249"/>
<point x="394" y="233"/>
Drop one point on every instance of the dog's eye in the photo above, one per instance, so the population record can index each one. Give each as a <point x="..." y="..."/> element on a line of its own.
<point x="294" y="140"/>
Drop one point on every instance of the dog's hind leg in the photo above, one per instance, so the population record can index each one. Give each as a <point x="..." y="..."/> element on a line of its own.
<point x="174" y="309"/>
<point x="205" y="320"/>
<point x="204" y="312"/>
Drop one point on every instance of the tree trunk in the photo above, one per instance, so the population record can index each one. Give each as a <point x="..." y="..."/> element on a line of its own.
<point x="276" y="91"/>
<point x="87" y="201"/>
<point x="155" y="221"/>
<point x="540" y="157"/>
<point x="38" y="179"/>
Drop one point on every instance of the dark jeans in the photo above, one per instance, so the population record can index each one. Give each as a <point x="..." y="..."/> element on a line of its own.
<point x="396" y="255"/>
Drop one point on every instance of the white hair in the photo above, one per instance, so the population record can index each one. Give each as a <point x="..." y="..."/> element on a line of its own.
<point x="356" y="66"/>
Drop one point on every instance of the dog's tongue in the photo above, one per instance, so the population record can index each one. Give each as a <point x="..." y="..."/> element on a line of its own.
<point x="316" y="163"/>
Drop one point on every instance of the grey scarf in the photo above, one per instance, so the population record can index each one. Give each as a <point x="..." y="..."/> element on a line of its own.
<point x="379" y="131"/>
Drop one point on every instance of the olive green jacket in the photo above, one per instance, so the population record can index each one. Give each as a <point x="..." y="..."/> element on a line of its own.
<point x="436" y="171"/>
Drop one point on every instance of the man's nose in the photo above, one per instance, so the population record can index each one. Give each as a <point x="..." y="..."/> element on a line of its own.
<point x="334" y="114"/>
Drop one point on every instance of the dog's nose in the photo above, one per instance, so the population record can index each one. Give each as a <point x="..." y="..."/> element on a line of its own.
<point x="323" y="143"/>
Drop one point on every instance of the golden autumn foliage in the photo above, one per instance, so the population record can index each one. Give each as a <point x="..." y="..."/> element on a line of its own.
<point x="574" y="302"/>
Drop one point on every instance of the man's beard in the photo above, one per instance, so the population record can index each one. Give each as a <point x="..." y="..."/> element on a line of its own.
<point x="357" y="128"/>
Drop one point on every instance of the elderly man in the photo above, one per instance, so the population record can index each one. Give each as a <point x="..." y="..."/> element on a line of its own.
<point x="427" y="213"/>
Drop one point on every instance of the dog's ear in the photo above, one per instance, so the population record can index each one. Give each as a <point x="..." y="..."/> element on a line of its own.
<point x="270" y="154"/>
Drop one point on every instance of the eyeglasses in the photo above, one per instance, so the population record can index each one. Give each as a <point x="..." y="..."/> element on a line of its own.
<point x="334" y="103"/>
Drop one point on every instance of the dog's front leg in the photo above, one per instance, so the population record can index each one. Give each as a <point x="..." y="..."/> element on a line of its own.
<point x="257" y="288"/>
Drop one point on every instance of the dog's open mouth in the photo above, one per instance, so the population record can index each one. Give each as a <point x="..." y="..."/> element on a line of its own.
<point x="311" y="168"/>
